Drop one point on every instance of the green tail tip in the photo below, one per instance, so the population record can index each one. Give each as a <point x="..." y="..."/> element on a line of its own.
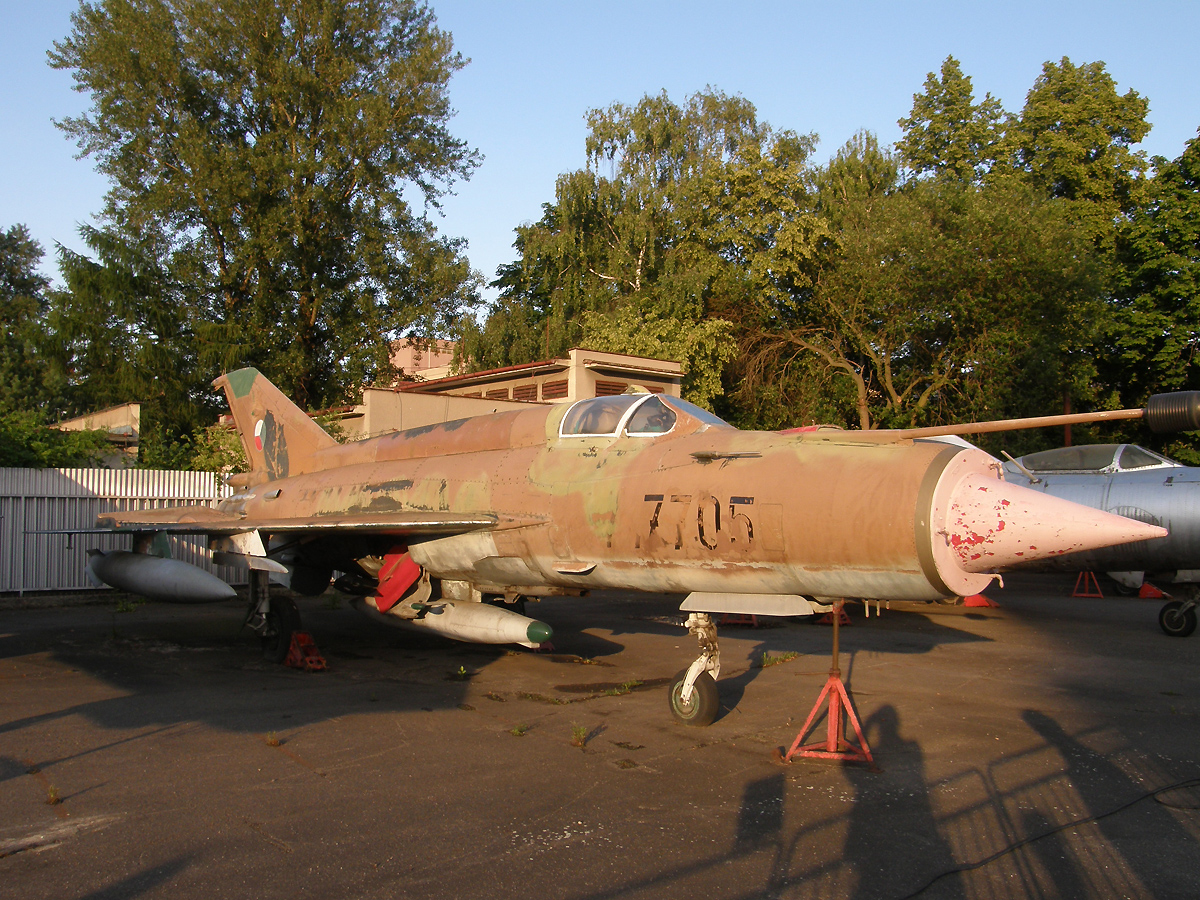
<point x="538" y="632"/>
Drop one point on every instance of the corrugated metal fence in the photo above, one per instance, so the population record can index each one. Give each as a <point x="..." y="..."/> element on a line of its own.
<point x="39" y="500"/>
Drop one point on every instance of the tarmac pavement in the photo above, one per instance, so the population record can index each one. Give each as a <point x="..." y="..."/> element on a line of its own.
<point x="1022" y="752"/>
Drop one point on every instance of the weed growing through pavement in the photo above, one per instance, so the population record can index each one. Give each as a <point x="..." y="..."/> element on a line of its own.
<point x="625" y="688"/>
<point x="768" y="660"/>
<point x="519" y="731"/>
<point x="52" y="798"/>
<point x="579" y="736"/>
<point x="272" y="739"/>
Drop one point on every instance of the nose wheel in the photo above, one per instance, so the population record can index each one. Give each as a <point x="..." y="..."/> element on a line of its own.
<point x="693" y="696"/>
<point x="1178" y="618"/>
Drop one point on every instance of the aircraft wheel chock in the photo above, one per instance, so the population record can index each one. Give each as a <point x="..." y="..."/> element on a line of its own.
<point x="1177" y="621"/>
<point x="283" y="619"/>
<point x="701" y="708"/>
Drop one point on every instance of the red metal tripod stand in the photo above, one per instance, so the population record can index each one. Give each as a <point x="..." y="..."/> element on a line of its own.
<point x="835" y="745"/>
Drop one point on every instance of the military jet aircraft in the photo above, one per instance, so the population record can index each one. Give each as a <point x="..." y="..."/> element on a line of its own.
<point x="1140" y="484"/>
<point x="637" y="491"/>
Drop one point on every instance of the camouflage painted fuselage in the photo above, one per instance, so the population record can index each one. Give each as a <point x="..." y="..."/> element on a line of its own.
<point x="702" y="508"/>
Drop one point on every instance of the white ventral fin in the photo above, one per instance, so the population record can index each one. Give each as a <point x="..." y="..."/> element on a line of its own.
<point x="748" y="604"/>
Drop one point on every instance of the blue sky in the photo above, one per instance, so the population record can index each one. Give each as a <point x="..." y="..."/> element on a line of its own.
<point x="537" y="67"/>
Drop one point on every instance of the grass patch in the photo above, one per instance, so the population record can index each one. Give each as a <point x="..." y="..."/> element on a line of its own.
<point x="768" y="660"/>
<point x="579" y="735"/>
<point x="519" y="730"/>
<point x="626" y="688"/>
<point x="542" y="698"/>
<point x="492" y="695"/>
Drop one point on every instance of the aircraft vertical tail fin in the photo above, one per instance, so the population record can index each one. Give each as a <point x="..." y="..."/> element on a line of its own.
<point x="279" y="437"/>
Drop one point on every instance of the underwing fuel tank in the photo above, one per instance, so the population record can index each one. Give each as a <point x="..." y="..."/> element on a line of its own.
<point x="169" y="580"/>
<point x="477" y="623"/>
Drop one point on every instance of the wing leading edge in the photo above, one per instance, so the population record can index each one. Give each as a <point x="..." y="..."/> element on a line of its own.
<point x="204" y="520"/>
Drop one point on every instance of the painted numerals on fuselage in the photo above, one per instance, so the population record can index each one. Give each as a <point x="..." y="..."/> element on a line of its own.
<point x="676" y="518"/>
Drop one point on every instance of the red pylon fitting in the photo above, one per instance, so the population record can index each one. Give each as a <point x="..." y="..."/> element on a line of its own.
<point x="1090" y="586"/>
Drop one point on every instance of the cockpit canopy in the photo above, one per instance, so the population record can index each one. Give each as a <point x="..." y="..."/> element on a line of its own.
<point x="1096" y="458"/>
<point x="634" y="414"/>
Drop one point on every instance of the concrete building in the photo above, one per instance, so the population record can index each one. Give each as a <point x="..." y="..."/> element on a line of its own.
<point x="581" y="373"/>
<point x="123" y="424"/>
<point x="432" y="360"/>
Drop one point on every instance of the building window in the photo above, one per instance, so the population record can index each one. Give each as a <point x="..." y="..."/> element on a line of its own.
<point x="497" y="394"/>
<point x="526" y="392"/>
<point x="554" y="390"/>
<point x="610" y="388"/>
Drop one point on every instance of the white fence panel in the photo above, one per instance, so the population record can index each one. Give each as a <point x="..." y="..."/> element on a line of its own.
<point x="40" y="500"/>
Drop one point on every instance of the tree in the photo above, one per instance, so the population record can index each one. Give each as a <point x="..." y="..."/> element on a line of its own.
<point x="1153" y="336"/>
<point x="1074" y="141"/>
<point x="28" y="441"/>
<point x="940" y="300"/>
<point x="22" y="307"/>
<point x="262" y="154"/>
<point x="121" y="329"/>
<point x="947" y="132"/>
<point x="689" y="219"/>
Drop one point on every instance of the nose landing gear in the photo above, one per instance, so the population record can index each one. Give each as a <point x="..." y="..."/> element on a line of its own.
<point x="693" y="696"/>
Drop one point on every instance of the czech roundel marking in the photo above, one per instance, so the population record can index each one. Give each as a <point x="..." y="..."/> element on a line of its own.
<point x="258" y="426"/>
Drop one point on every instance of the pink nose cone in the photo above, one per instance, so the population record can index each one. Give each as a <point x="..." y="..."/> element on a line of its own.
<point x="991" y="524"/>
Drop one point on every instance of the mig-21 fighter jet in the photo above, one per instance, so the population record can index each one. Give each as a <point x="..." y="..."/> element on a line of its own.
<point x="449" y="527"/>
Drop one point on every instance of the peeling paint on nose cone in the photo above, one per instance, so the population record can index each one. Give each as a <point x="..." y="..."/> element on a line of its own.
<point x="979" y="524"/>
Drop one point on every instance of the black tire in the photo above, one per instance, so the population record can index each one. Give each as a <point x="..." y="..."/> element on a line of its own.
<point x="310" y="582"/>
<point x="1174" y="620"/>
<point x="701" y="708"/>
<point x="283" y="620"/>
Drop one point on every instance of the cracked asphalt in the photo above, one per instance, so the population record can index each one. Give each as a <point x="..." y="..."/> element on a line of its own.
<point x="1045" y="748"/>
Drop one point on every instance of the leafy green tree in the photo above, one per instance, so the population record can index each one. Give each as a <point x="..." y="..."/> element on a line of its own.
<point x="1153" y="336"/>
<point x="941" y="300"/>
<point x="27" y="440"/>
<point x="263" y="155"/>
<point x="695" y="215"/>
<point x="947" y="132"/>
<point x="1074" y="140"/>
<point x="22" y="308"/>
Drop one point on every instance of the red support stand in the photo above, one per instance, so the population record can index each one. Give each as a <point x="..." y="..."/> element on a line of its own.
<point x="835" y="745"/>
<point x="1150" y="592"/>
<point x="840" y="615"/>
<point x="1086" y="585"/>
<point x="303" y="653"/>
<point x="978" y="601"/>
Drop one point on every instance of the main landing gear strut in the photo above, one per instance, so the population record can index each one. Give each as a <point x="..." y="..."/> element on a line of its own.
<point x="693" y="695"/>
<point x="273" y="619"/>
